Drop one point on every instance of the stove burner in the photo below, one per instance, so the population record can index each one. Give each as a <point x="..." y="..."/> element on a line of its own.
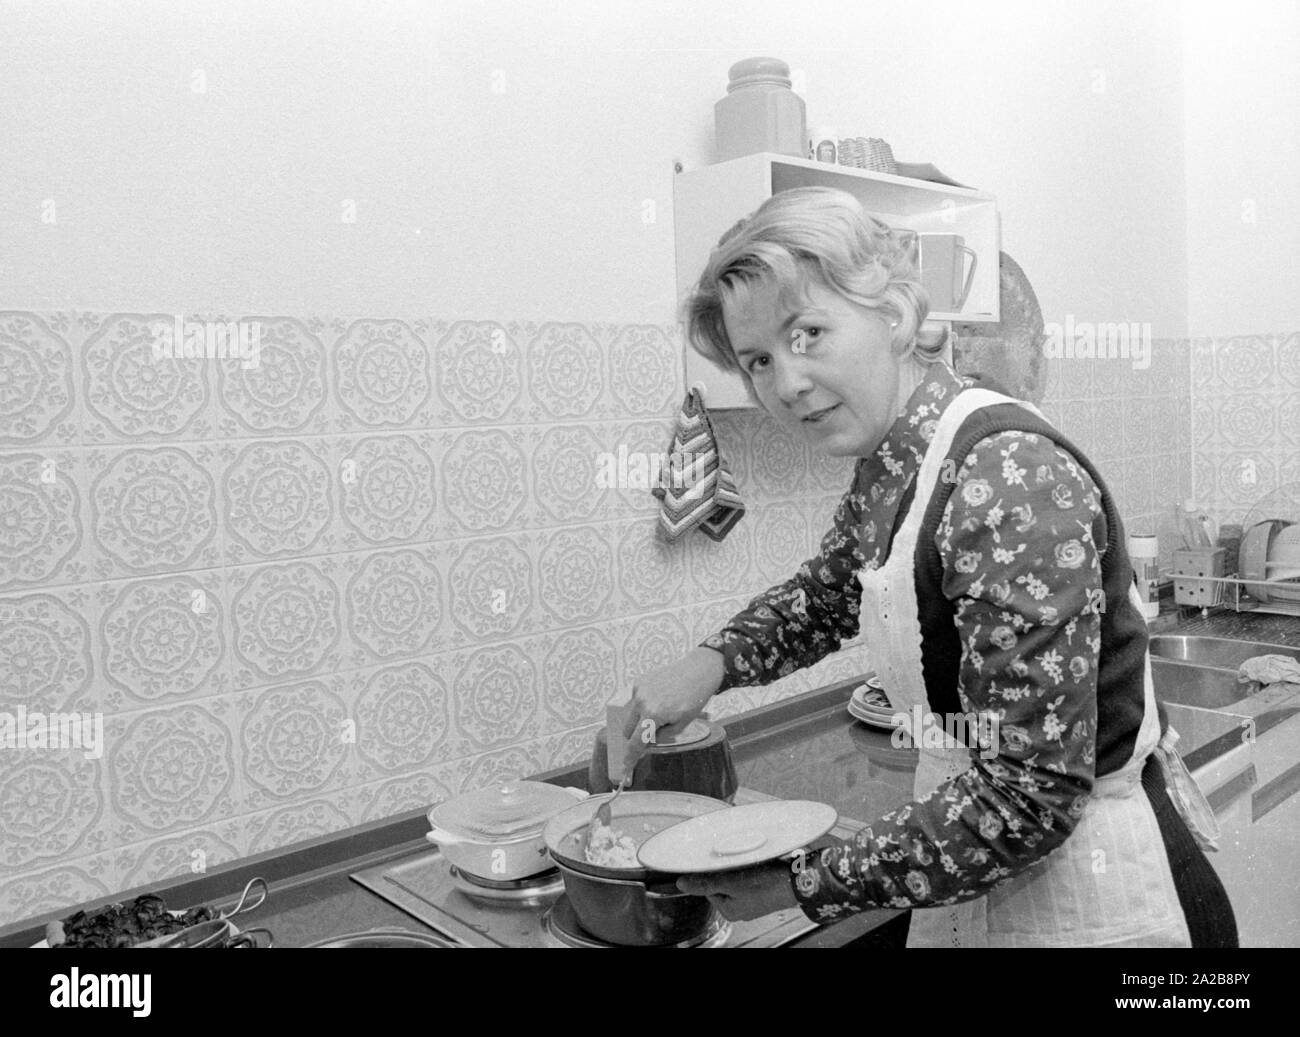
<point x="534" y="887"/>
<point x="562" y="925"/>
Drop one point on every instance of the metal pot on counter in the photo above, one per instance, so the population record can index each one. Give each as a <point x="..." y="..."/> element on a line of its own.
<point x="697" y="759"/>
<point x="631" y="907"/>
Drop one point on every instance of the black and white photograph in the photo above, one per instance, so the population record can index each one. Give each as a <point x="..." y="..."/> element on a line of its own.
<point x="615" y="474"/>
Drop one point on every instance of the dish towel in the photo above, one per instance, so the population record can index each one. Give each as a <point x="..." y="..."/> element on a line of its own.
<point x="697" y="489"/>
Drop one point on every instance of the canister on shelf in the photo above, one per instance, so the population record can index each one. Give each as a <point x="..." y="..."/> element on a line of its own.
<point x="760" y="111"/>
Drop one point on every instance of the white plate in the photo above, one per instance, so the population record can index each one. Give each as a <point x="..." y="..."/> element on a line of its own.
<point x="737" y="837"/>
<point x="873" y="718"/>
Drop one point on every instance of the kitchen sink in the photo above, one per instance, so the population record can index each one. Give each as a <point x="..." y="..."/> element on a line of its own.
<point x="1202" y="671"/>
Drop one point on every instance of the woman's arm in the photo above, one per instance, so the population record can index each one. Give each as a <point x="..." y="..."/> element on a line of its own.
<point x="1018" y="541"/>
<point x="799" y="622"/>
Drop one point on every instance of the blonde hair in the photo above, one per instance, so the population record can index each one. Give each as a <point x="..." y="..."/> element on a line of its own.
<point x="823" y="234"/>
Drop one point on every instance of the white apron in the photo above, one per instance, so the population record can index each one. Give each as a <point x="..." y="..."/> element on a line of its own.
<point x="1109" y="884"/>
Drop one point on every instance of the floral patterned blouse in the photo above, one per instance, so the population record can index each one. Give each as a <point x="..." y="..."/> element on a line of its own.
<point x="1023" y="572"/>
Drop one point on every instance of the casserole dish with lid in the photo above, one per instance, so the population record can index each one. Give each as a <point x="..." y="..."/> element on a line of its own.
<point x="495" y="833"/>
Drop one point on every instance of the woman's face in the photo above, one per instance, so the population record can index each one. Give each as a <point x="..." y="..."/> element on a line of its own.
<point x="838" y="386"/>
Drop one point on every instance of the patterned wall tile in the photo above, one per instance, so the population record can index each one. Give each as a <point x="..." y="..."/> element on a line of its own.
<point x="403" y="716"/>
<point x="1287" y="350"/>
<point x="133" y="395"/>
<point x="172" y="768"/>
<point x="386" y="488"/>
<point x="566" y="372"/>
<point x="503" y="765"/>
<point x="484" y="480"/>
<point x="649" y="642"/>
<point x="154" y="510"/>
<point x="47" y="652"/>
<point x="1107" y="430"/>
<point x="719" y="568"/>
<point x="491" y="589"/>
<point x="417" y="791"/>
<point x="287" y="392"/>
<point x="39" y="403"/>
<point x="631" y="447"/>
<point x="44" y="519"/>
<point x="394" y="604"/>
<point x="572" y="746"/>
<point x="650" y="571"/>
<point x="478" y="371"/>
<point x="278" y="500"/>
<point x="497" y="695"/>
<point x="381" y="374"/>
<point x="285" y="621"/>
<point x="52" y="805"/>
<point x="298" y="822"/>
<point x="161" y="640"/>
<point x="575" y="574"/>
<point x="569" y="476"/>
<point x="296" y="740"/>
<point x="189" y="853"/>
<point x="780" y="534"/>
<point x="77" y="881"/>
<point x="645" y="369"/>
<point x="579" y="672"/>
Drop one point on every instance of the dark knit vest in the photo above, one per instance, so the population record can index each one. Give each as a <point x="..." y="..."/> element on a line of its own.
<point x="1121" y="672"/>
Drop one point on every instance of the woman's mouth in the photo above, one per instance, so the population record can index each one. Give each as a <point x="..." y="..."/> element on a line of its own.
<point x="821" y="415"/>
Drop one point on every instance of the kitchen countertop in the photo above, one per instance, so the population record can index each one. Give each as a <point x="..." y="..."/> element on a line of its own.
<point x="806" y="747"/>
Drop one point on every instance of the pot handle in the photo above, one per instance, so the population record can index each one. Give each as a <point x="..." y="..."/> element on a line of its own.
<point x="655" y="891"/>
<point x="441" y="837"/>
<point x="665" y="892"/>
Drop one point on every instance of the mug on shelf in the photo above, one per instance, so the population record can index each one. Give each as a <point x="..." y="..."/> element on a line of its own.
<point x="943" y="271"/>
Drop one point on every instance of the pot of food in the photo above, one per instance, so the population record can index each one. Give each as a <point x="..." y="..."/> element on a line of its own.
<point x="495" y="833"/>
<point x="613" y="896"/>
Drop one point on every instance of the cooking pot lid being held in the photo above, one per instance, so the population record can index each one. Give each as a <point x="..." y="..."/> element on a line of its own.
<point x="737" y="837"/>
<point x="503" y="811"/>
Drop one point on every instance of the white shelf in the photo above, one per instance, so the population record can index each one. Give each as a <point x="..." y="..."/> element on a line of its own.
<point x="709" y="200"/>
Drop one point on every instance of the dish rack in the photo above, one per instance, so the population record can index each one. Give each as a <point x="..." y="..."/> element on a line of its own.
<point x="1203" y="590"/>
<point x="1267" y="578"/>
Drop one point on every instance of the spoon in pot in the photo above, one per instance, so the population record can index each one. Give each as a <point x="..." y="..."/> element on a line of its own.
<point x="604" y="812"/>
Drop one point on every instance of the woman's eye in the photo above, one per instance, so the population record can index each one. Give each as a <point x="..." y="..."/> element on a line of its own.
<point x="762" y="359"/>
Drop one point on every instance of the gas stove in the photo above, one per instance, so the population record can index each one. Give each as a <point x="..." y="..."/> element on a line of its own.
<point x="534" y="912"/>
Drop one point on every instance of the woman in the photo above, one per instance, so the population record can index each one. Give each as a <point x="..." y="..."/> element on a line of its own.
<point x="983" y="557"/>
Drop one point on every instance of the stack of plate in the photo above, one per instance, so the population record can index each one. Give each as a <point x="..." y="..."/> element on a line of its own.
<point x="870" y="705"/>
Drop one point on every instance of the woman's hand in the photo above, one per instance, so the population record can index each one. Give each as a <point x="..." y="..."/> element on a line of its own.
<point x="671" y="696"/>
<point x="747" y="892"/>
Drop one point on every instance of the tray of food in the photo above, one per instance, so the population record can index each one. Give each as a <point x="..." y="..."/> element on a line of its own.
<point x="146" y="921"/>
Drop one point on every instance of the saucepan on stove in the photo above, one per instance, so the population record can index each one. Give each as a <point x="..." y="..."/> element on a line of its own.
<point x="495" y="833"/>
<point x="616" y="899"/>
<point x="696" y="759"/>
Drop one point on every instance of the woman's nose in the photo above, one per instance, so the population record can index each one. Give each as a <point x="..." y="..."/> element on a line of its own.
<point x="792" y="380"/>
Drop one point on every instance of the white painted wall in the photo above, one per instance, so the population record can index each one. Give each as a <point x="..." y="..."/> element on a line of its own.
<point x="528" y="202"/>
<point x="1242" y="126"/>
